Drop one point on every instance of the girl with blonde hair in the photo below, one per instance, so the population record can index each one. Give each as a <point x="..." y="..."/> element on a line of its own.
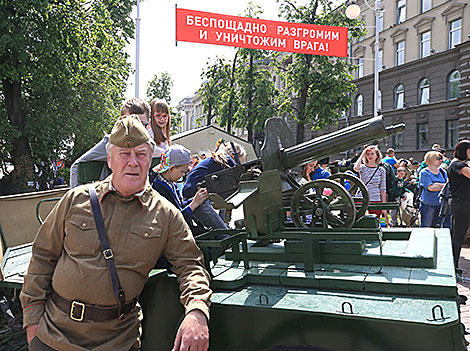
<point x="373" y="176"/>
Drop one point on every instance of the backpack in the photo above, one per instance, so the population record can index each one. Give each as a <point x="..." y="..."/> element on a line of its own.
<point x="389" y="180"/>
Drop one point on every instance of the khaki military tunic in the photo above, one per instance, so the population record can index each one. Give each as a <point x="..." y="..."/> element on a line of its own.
<point x="67" y="254"/>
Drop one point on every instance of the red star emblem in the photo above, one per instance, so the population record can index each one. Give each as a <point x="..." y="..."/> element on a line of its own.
<point x="129" y="143"/>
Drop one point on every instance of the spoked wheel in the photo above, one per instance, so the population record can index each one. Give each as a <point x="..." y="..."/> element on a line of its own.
<point x="355" y="185"/>
<point x="323" y="201"/>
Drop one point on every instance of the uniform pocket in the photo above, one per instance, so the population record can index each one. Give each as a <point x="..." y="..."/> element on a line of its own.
<point x="145" y="231"/>
<point x="81" y="236"/>
<point x="147" y="241"/>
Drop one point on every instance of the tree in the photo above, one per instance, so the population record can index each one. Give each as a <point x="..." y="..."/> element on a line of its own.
<point x="160" y="87"/>
<point x="229" y="101"/>
<point x="240" y="93"/>
<point x="211" y="90"/>
<point x="63" y="70"/>
<point x="256" y="91"/>
<point x="317" y="87"/>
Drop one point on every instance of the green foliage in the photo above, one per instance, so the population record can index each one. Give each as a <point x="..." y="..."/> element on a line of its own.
<point x="213" y="87"/>
<point x="317" y="88"/>
<point x="227" y="100"/>
<point x="176" y="121"/>
<point x="256" y="91"/>
<point x="63" y="70"/>
<point x="240" y="93"/>
<point x="160" y="87"/>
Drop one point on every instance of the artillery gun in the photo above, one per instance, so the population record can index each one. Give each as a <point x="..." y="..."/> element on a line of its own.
<point x="322" y="202"/>
<point x="298" y="273"/>
<point x="317" y="274"/>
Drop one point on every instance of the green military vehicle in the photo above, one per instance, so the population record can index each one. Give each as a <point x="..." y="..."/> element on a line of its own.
<point x="306" y="268"/>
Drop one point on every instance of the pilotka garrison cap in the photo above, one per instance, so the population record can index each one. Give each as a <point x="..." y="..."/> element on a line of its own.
<point x="129" y="132"/>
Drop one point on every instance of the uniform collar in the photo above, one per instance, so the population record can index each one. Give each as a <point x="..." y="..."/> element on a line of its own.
<point x="144" y="196"/>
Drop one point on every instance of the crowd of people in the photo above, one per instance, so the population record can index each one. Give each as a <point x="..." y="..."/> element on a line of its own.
<point x="159" y="220"/>
<point x="432" y="193"/>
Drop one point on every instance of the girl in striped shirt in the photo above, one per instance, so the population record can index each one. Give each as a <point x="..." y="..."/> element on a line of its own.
<point x="373" y="176"/>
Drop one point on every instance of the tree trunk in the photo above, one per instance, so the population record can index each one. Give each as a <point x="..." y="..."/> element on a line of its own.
<point x="300" y="133"/>
<point x="21" y="153"/>
<point x="249" y="129"/>
<point x="302" y="103"/>
<point x="250" y="101"/>
<point x="230" y="103"/>
<point x="209" y="114"/>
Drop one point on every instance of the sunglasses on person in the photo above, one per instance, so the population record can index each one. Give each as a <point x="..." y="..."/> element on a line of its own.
<point x="160" y="115"/>
<point x="439" y="158"/>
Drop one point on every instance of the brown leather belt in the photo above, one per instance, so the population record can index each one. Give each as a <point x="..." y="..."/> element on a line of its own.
<point x="79" y="311"/>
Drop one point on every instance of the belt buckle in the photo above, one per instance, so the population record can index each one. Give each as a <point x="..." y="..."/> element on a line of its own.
<point x="72" y="309"/>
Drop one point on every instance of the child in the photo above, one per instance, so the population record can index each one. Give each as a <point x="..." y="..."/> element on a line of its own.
<point x="98" y="152"/>
<point x="174" y="164"/>
<point x="160" y="125"/>
<point x="399" y="188"/>
<point x="223" y="157"/>
<point x="194" y="161"/>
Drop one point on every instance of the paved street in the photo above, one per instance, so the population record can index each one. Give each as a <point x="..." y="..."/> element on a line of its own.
<point x="464" y="286"/>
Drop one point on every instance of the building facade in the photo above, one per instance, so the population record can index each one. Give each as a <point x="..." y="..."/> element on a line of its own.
<point x="192" y="114"/>
<point x="424" y="64"/>
<point x="191" y="110"/>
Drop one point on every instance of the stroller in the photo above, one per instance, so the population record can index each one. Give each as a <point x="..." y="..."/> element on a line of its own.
<point x="409" y="214"/>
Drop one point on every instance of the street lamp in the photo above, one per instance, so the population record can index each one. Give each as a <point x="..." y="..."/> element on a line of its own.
<point x="352" y="12"/>
<point x="137" y="49"/>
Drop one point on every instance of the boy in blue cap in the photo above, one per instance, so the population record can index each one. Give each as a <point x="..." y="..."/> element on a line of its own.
<point x="173" y="165"/>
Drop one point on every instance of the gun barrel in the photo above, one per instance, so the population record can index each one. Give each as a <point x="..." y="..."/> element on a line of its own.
<point x="341" y="140"/>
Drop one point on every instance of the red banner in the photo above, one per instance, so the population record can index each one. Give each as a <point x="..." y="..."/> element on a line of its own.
<point x="253" y="33"/>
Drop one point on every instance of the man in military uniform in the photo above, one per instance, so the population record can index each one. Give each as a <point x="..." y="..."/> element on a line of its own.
<point x="68" y="298"/>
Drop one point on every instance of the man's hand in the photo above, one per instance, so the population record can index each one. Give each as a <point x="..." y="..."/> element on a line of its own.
<point x="31" y="332"/>
<point x="193" y="333"/>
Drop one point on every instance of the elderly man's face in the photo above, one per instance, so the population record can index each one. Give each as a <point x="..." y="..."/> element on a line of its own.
<point x="130" y="167"/>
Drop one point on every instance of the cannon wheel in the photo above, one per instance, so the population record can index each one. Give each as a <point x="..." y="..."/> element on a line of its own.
<point x="312" y="197"/>
<point x="361" y="203"/>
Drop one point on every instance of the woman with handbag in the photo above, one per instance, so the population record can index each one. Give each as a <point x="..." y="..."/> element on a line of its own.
<point x="459" y="179"/>
<point x="432" y="179"/>
<point x="373" y="176"/>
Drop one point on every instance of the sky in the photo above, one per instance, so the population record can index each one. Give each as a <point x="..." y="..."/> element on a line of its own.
<point x="185" y="61"/>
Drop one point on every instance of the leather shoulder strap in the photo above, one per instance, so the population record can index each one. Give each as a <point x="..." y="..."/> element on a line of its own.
<point x="107" y="252"/>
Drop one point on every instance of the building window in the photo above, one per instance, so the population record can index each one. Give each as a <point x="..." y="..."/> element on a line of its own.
<point x="380" y="60"/>
<point x="360" y="67"/>
<point x="425" y="5"/>
<point x="453" y="85"/>
<point x="401" y="11"/>
<point x="400" y="56"/>
<point x="399" y="95"/>
<point x="423" y="91"/>
<point x="359" y="105"/>
<point x="425" y="44"/>
<point x="380" y="22"/>
<point x="397" y="141"/>
<point x="455" y="33"/>
<point x="452" y="133"/>
<point x="422" y="138"/>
